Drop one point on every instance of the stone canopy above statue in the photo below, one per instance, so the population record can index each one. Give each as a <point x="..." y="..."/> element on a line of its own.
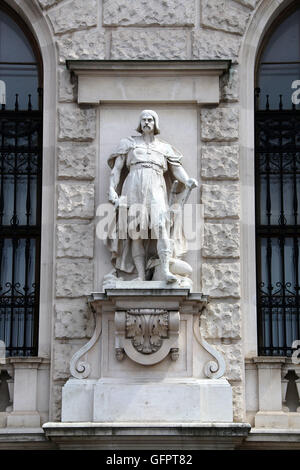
<point x="131" y="81"/>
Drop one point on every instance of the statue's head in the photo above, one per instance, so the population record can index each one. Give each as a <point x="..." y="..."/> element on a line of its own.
<point x="148" y="118"/>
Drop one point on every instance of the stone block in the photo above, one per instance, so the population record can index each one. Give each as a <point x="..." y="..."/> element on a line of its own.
<point x="74" y="278"/>
<point x="221" y="280"/>
<point x="26" y="419"/>
<point x="75" y="240"/>
<point x="221" y="241"/>
<point x="220" y="162"/>
<point x="233" y="355"/>
<point x="74" y="15"/>
<point x="76" y="123"/>
<point x="143" y="12"/>
<point x="220" y="124"/>
<point x="272" y="420"/>
<point x="238" y="399"/>
<point x="180" y="401"/>
<point x="221" y="320"/>
<point x="75" y="200"/>
<point x="66" y="89"/>
<point x="76" y="160"/>
<point x="215" y="45"/>
<point x="220" y="201"/>
<point x="230" y="83"/>
<point x="3" y="419"/>
<point x="48" y="3"/>
<point x="82" y="45"/>
<point x="150" y="44"/>
<point x="247" y="3"/>
<point x="55" y="411"/>
<point x="220" y="15"/>
<point x="62" y="354"/>
<point x="73" y="320"/>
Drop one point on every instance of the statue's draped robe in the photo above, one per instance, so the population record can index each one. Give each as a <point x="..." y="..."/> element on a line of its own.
<point x="145" y="180"/>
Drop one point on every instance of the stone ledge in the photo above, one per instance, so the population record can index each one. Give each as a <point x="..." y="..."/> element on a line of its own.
<point x="117" y="81"/>
<point x="269" y="362"/>
<point x="28" y="360"/>
<point x="156" y="435"/>
<point x="272" y="439"/>
<point x="151" y="289"/>
<point x="24" y="439"/>
<point x="157" y="67"/>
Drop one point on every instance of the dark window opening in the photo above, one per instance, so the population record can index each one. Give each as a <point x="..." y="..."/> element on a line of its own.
<point x="277" y="174"/>
<point x="20" y="185"/>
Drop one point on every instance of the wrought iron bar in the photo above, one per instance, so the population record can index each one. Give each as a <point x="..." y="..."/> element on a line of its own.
<point x="277" y="166"/>
<point x="21" y="155"/>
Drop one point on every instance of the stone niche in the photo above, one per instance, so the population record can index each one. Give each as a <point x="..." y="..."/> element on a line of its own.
<point x="147" y="361"/>
<point x="176" y="90"/>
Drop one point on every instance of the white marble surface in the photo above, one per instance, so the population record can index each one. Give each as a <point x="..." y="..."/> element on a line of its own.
<point x="146" y="401"/>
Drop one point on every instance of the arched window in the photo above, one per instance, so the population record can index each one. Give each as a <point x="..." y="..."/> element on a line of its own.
<point x="20" y="184"/>
<point x="277" y="167"/>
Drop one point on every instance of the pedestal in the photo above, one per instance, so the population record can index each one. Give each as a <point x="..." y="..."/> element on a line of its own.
<point x="147" y="362"/>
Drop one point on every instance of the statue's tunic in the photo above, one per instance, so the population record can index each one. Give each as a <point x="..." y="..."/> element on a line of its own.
<point x="145" y="184"/>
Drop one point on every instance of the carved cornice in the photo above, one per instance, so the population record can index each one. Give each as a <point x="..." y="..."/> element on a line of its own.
<point x="153" y="67"/>
<point x="135" y="81"/>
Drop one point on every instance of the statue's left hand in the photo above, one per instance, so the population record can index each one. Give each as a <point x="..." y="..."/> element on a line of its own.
<point x="191" y="183"/>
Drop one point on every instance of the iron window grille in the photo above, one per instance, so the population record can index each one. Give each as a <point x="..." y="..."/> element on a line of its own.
<point x="277" y="174"/>
<point x="20" y="228"/>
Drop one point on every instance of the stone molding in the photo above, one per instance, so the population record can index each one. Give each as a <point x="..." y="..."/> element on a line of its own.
<point x="176" y="81"/>
<point x="175" y="435"/>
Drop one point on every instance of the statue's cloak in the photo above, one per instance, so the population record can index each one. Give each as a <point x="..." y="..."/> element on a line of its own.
<point x="120" y="249"/>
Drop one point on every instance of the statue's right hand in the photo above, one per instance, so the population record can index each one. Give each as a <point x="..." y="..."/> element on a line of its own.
<point x="113" y="197"/>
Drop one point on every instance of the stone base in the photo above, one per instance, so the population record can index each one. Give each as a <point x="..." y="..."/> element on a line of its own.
<point x="277" y="420"/>
<point x="131" y="436"/>
<point x="271" y="419"/>
<point x="26" y="419"/>
<point x="115" y="401"/>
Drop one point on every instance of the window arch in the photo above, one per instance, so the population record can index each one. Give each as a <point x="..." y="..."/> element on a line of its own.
<point x="20" y="184"/>
<point x="277" y="174"/>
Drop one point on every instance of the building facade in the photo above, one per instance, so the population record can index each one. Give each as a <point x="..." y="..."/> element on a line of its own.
<point x="83" y="70"/>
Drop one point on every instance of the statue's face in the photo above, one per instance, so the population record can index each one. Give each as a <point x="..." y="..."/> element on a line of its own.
<point x="147" y="123"/>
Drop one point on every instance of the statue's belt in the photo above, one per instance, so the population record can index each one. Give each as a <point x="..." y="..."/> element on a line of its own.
<point x="154" y="166"/>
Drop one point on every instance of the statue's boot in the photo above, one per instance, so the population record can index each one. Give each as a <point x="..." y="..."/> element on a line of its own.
<point x="164" y="256"/>
<point x="139" y="262"/>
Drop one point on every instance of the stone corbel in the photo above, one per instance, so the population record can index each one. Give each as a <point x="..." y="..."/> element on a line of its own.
<point x="81" y="369"/>
<point x="212" y="369"/>
<point x="147" y="335"/>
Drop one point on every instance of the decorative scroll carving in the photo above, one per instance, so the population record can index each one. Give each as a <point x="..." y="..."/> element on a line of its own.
<point x="212" y="369"/>
<point x="82" y="369"/>
<point x="147" y="335"/>
<point x="147" y="328"/>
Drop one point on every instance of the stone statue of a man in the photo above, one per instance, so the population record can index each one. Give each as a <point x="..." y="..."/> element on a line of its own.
<point x="142" y="170"/>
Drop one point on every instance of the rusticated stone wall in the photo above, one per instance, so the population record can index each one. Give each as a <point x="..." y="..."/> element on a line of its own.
<point x="153" y="29"/>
